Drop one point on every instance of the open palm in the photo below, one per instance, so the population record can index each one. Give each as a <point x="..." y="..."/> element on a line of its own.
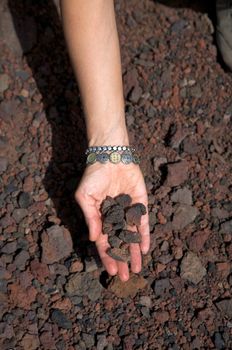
<point x="98" y="181"/>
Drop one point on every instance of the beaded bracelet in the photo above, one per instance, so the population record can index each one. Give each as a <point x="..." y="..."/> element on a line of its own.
<point x="113" y="154"/>
<point x="109" y="148"/>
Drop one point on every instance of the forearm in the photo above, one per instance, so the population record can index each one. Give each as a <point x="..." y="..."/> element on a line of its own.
<point x="92" y="40"/>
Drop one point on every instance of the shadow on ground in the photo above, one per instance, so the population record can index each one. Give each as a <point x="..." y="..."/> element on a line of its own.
<point x="51" y="69"/>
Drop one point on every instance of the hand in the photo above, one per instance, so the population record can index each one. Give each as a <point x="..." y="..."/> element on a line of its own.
<point x="98" y="181"/>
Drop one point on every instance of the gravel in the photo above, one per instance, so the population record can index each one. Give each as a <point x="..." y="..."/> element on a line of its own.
<point x="178" y="110"/>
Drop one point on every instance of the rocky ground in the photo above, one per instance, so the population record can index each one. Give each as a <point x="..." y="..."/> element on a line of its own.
<point x="54" y="293"/>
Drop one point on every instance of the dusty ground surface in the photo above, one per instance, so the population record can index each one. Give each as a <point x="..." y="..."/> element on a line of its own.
<point x="53" y="292"/>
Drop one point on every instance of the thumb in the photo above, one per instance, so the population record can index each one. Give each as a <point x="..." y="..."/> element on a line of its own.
<point x="91" y="214"/>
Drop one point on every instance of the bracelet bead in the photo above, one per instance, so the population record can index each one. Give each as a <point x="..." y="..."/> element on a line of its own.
<point x="109" y="148"/>
<point x="113" y="154"/>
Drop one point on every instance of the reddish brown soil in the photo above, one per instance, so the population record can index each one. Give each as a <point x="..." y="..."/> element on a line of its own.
<point x="53" y="290"/>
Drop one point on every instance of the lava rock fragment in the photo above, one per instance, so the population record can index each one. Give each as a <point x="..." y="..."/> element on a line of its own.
<point x="134" y="214"/>
<point x="117" y="213"/>
<point x="124" y="200"/>
<point x="114" y="241"/>
<point x="119" y="254"/>
<point x="107" y="204"/>
<point x="130" y="236"/>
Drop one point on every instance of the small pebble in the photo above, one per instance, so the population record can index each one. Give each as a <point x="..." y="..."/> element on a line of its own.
<point x="118" y="254"/>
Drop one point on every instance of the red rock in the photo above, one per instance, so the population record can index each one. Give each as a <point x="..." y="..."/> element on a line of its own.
<point x="176" y="97"/>
<point x="206" y="314"/>
<point x="63" y="304"/>
<point x="47" y="341"/>
<point x="225" y="306"/>
<point x="25" y="278"/>
<point x="134" y="214"/>
<point x="109" y="304"/>
<point x="182" y="195"/>
<point x="128" y="288"/>
<point x="177" y="173"/>
<point x="158" y="161"/>
<point x="22" y="297"/>
<point x="119" y="254"/>
<point x="197" y="241"/>
<point x="192" y="268"/>
<point x="184" y="215"/>
<point x="128" y="236"/>
<point x="124" y="200"/>
<point x="135" y="94"/>
<point x="160" y="267"/>
<point x="5" y="273"/>
<point x="161" y="316"/>
<point x="39" y="270"/>
<point x="178" y="252"/>
<point x="28" y="184"/>
<point x="114" y="215"/>
<point x="130" y="79"/>
<point x="54" y="219"/>
<point x="200" y="127"/>
<point x="106" y="204"/>
<point x="161" y="218"/>
<point x="4" y="300"/>
<point x="8" y="332"/>
<point x="56" y="244"/>
<point x="146" y="259"/>
<point x="224" y="268"/>
<point x="76" y="266"/>
<point x="178" y="136"/>
<point x="129" y="342"/>
<point x="30" y="342"/>
<point x="114" y="241"/>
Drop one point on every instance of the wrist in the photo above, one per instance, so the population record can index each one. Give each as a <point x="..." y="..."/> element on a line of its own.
<point x="113" y="135"/>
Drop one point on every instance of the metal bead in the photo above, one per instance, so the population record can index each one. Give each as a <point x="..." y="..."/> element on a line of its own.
<point x="104" y="148"/>
<point x="115" y="148"/>
<point x="109" y="148"/>
<point x="119" y="148"/>
<point x="115" y="157"/>
<point x="103" y="157"/>
<point x="124" y="148"/>
<point x="126" y="158"/>
<point x="91" y="158"/>
<point x="136" y="159"/>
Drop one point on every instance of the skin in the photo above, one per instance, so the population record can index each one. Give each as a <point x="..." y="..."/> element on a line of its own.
<point x="92" y="40"/>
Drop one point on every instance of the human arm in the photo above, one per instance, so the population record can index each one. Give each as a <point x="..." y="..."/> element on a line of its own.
<point x="92" y="40"/>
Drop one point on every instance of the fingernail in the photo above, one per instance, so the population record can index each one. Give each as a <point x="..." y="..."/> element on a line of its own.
<point x="124" y="278"/>
<point x="137" y="269"/>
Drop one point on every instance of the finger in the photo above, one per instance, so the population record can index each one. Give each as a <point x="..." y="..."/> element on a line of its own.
<point x="143" y="228"/>
<point x="136" y="260"/>
<point x="145" y="234"/>
<point x="91" y="214"/>
<point x="95" y="227"/>
<point x="123" y="271"/>
<point x="135" y="253"/>
<point x="109" y="263"/>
